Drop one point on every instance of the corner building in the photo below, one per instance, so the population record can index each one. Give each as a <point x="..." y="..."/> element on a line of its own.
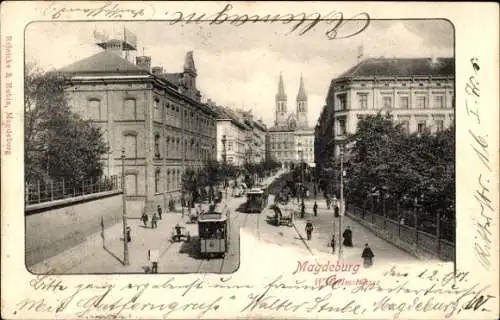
<point x="418" y="93"/>
<point x="156" y="117"/>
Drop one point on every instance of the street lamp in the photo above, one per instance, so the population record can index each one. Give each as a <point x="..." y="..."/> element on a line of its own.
<point x="342" y="206"/>
<point x="124" y="213"/>
<point x="301" y="153"/>
<point x="224" y="160"/>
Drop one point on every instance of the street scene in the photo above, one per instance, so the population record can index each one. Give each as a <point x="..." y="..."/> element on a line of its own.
<point x="140" y="163"/>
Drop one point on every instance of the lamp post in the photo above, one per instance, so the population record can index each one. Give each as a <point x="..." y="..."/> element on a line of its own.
<point x="342" y="205"/>
<point x="301" y="153"/>
<point x="124" y="213"/>
<point x="224" y="161"/>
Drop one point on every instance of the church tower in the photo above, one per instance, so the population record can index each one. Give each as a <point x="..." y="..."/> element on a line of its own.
<point x="281" y="112"/>
<point x="302" y="105"/>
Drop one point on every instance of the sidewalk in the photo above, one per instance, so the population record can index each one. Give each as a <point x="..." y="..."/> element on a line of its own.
<point x="322" y="234"/>
<point x="98" y="255"/>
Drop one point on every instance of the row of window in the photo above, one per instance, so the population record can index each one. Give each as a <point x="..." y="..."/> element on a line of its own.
<point x="173" y="116"/>
<point x="422" y="125"/>
<point x="421" y="102"/>
<point x="173" y="180"/>
<point x="193" y="149"/>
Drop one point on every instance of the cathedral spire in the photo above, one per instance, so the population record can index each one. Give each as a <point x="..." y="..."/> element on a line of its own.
<point x="281" y="88"/>
<point x="302" y="92"/>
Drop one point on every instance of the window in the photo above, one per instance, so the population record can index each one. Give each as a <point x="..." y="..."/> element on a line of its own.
<point x="131" y="184"/>
<point x="129" y="109"/>
<point x="363" y="101"/>
<point x="387" y="102"/>
<point x="156" y="104"/>
<point x="341" y="102"/>
<point x="130" y="144"/>
<point x="403" y="102"/>
<point x="439" y="125"/>
<point x="438" y="102"/>
<point x="341" y="127"/>
<point x="421" y="126"/>
<point x="229" y="146"/>
<point x="94" y="109"/>
<point x="157" y="180"/>
<point x="420" y="102"/>
<point x="157" y="145"/>
<point x="169" y="180"/>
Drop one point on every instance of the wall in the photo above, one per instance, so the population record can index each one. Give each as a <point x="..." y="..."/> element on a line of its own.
<point x="62" y="225"/>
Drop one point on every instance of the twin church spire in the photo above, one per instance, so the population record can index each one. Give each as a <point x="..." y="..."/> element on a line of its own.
<point x="283" y="118"/>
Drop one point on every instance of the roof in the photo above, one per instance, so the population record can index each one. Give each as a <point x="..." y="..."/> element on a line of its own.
<point x="211" y="217"/>
<point x="173" y="78"/>
<point x="401" y="67"/>
<point x="103" y="62"/>
<point x="302" y="91"/>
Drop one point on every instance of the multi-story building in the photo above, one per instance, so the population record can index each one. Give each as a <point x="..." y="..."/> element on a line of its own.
<point x="155" y="117"/>
<point x="418" y="92"/>
<point x="291" y="140"/>
<point x="256" y="137"/>
<point x="232" y="134"/>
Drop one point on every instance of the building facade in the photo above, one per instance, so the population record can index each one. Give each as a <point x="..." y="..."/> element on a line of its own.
<point x="256" y="137"/>
<point x="291" y="140"/>
<point x="418" y="93"/>
<point x="232" y="134"/>
<point x="156" y="118"/>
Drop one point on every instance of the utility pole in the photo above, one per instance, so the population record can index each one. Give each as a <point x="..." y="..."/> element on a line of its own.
<point x="124" y="213"/>
<point x="342" y="206"/>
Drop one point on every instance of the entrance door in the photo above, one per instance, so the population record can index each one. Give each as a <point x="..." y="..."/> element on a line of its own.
<point x="131" y="184"/>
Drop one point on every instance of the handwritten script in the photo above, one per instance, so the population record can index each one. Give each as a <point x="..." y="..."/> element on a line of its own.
<point x="397" y="293"/>
<point x="479" y="145"/>
<point x="338" y="26"/>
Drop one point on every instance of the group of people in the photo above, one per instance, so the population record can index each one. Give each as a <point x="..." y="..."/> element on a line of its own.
<point x="154" y="219"/>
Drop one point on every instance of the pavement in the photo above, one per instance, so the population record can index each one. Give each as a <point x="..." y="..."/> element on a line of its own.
<point x="322" y="235"/>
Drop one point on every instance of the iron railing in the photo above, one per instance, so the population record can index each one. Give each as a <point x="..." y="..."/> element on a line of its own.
<point x="46" y="191"/>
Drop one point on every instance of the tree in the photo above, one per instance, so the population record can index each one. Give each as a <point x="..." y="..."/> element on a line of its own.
<point x="387" y="162"/>
<point x="58" y="144"/>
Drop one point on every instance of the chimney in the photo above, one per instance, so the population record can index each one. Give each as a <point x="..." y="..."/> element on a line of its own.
<point x="157" y="71"/>
<point x="143" y="62"/>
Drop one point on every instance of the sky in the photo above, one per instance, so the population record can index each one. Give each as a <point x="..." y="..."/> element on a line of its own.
<point x="239" y="67"/>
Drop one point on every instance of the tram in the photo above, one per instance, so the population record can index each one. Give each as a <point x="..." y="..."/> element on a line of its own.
<point x="256" y="201"/>
<point x="212" y="232"/>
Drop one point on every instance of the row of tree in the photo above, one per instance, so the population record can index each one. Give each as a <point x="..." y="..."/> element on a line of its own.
<point x="58" y="144"/>
<point x="411" y="169"/>
<point x="215" y="173"/>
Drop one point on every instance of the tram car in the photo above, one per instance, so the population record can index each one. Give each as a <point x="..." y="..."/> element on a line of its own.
<point x="212" y="232"/>
<point x="256" y="201"/>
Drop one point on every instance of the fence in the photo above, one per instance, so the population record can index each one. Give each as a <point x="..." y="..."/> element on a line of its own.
<point x="407" y="234"/>
<point x="46" y="191"/>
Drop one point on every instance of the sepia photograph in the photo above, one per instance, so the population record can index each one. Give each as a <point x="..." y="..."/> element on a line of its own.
<point x="249" y="160"/>
<point x="149" y="146"/>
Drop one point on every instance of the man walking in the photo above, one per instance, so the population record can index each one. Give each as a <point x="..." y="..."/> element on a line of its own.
<point x="154" y="221"/>
<point x="154" y="255"/>
<point x="159" y="211"/>
<point x="332" y="243"/>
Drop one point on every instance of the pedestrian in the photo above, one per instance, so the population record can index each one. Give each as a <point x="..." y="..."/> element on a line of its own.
<point x="367" y="256"/>
<point x="154" y="255"/>
<point x="159" y="211"/>
<point x="302" y="210"/>
<point x="178" y="231"/>
<point x="332" y="243"/>
<point x="145" y="219"/>
<point x="328" y="202"/>
<point x="347" y="235"/>
<point x="309" y="229"/>
<point x="315" y="209"/>
<point x="154" y="221"/>
<point x="129" y="238"/>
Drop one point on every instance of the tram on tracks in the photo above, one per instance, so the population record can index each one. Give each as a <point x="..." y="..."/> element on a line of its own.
<point x="256" y="201"/>
<point x="213" y="233"/>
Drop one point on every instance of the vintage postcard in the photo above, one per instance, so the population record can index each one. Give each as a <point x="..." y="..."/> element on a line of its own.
<point x="291" y="160"/>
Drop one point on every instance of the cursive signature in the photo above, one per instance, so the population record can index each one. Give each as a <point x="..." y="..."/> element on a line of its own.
<point x="339" y="27"/>
<point x="482" y="240"/>
<point x="57" y="10"/>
